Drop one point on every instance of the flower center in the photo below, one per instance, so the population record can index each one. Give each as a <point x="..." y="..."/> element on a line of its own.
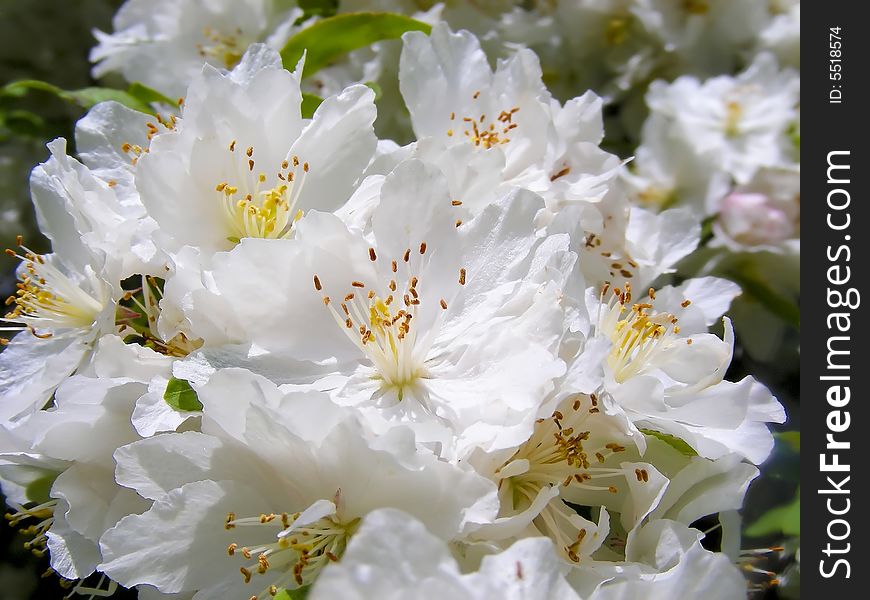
<point x="483" y="133"/>
<point x="259" y="206"/>
<point x="299" y="552"/>
<point x="733" y="115"/>
<point x="555" y="456"/>
<point x="225" y="50"/>
<point x="657" y="196"/>
<point x="48" y="299"/>
<point x="381" y="323"/>
<point x="637" y="335"/>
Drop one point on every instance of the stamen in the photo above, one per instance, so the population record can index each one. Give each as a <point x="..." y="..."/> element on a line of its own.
<point x="556" y="455"/>
<point x="48" y="299"/>
<point x="297" y="552"/>
<point x="383" y="329"/>
<point x="252" y="208"/>
<point x="637" y="336"/>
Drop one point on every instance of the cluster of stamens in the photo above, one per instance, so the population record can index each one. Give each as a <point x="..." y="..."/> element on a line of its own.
<point x="556" y="456"/>
<point x="381" y="324"/>
<point x="226" y="50"/>
<point x="135" y="151"/>
<point x="43" y="514"/>
<point x="759" y="579"/>
<point x="300" y="551"/>
<point x="46" y="298"/>
<point x="638" y="335"/>
<point x="264" y="208"/>
<point x="486" y="134"/>
<point x="137" y="314"/>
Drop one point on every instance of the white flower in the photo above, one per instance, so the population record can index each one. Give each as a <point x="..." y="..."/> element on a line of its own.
<point x="575" y="455"/>
<point x="782" y="35"/>
<point x="705" y="36"/>
<point x="454" y="329"/>
<point x="393" y="556"/>
<point x="628" y="245"/>
<point x="493" y="130"/>
<point x="107" y="140"/>
<point x="739" y="123"/>
<point x="77" y="436"/>
<point x="667" y="372"/>
<point x="242" y="162"/>
<point x="65" y="300"/>
<point x="667" y="172"/>
<point x="665" y="560"/>
<point x="280" y="485"/>
<point x="164" y="44"/>
<point x="600" y="45"/>
<point x="456" y="99"/>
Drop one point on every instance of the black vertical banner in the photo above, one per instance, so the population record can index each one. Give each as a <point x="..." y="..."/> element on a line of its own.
<point x="835" y="364"/>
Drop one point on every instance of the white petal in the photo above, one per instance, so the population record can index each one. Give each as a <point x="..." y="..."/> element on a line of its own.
<point x="30" y="370"/>
<point x="180" y="543"/>
<point x="439" y="74"/>
<point x="338" y="144"/>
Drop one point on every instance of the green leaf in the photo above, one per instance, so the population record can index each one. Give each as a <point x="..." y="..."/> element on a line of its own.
<point x="39" y="490"/>
<point x="330" y="38"/>
<point x="149" y="95"/>
<point x="294" y="594"/>
<point x="310" y="102"/>
<point x="672" y="441"/>
<point x="794" y="134"/>
<point x="791" y="439"/>
<point x="376" y="89"/>
<point x="784" y="519"/>
<point x="180" y="396"/>
<point x="85" y="97"/>
<point x="22" y="123"/>
<point x="772" y="300"/>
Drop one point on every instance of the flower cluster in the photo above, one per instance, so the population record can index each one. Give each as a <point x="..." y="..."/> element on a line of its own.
<point x="272" y="353"/>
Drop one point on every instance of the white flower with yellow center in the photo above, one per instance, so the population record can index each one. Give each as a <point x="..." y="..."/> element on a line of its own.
<point x="272" y="493"/>
<point x="490" y="131"/>
<point x="164" y="44"/>
<point x="575" y="455"/>
<point x="600" y="45"/>
<point x="667" y="372"/>
<point x="738" y="124"/>
<point x="63" y="304"/>
<point x="242" y="162"/>
<point x="667" y="172"/>
<point x="454" y="330"/>
<point x="468" y="117"/>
